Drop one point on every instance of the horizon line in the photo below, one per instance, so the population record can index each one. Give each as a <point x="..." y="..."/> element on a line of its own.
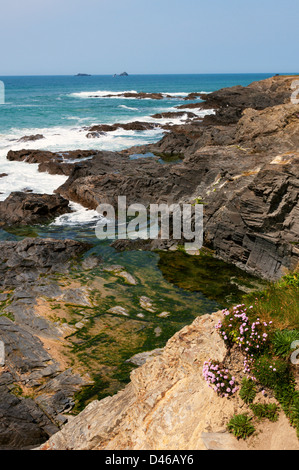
<point x="150" y="74"/>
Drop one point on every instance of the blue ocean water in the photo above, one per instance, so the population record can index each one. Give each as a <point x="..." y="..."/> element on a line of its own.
<point x="61" y="107"/>
<point x="48" y="101"/>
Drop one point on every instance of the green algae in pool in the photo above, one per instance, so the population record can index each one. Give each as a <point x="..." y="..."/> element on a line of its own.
<point x="180" y="288"/>
<point x="215" y="279"/>
<point x="179" y="284"/>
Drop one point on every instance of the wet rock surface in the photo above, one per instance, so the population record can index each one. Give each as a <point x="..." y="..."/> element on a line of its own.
<point x="31" y="209"/>
<point x="241" y="163"/>
<point x="29" y="138"/>
<point x="27" y="420"/>
<point x="23" y="261"/>
<point x="55" y="163"/>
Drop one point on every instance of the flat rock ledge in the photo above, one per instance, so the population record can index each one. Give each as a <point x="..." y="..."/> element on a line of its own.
<point x="168" y="405"/>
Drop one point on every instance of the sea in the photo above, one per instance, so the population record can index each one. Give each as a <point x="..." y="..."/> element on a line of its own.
<point x="61" y="107"/>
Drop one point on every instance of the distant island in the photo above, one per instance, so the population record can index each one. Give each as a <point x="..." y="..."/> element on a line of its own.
<point x="124" y="74"/>
<point x="83" y="75"/>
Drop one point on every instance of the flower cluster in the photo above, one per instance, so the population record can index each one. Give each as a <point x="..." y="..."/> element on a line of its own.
<point x="236" y="328"/>
<point x="219" y="379"/>
<point x="252" y="337"/>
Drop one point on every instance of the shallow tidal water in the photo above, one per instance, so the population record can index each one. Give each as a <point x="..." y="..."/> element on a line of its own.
<point x="179" y="286"/>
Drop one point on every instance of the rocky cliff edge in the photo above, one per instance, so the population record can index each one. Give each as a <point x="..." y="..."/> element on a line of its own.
<point x="169" y="406"/>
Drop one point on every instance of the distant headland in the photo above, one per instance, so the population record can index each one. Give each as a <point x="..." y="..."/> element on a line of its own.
<point x="124" y="74"/>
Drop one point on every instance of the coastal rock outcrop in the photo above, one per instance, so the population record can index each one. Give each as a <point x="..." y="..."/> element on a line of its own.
<point x="241" y="163"/>
<point x="25" y="260"/>
<point x="168" y="405"/>
<point x="245" y="174"/>
<point x="30" y="209"/>
<point x="229" y="103"/>
<point x="29" y="138"/>
<point x="55" y="163"/>
<point x="27" y="417"/>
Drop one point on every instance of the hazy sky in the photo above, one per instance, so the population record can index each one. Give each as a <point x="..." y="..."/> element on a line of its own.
<point x="148" y="36"/>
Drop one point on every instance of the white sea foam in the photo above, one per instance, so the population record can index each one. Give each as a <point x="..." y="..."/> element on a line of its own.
<point x="183" y="94"/>
<point x="79" y="216"/>
<point x="22" y="176"/>
<point x="119" y="94"/>
<point x="127" y="107"/>
<point x="101" y="94"/>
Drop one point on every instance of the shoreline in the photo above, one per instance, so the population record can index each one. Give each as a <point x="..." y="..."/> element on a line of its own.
<point x="241" y="161"/>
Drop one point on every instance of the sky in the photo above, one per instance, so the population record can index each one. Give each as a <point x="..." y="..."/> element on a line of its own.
<point x="65" y="37"/>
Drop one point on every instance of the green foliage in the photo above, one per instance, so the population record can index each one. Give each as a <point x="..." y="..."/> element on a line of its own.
<point x="288" y="398"/>
<point x="278" y="302"/>
<point x="272" y="373"/>
<point x="240" y="426"/>
<point x="282" y="341"/>
<point x="294" y="412"/>
<point x="290" y="280"/>
<point x="96" y="391"/>
<point x="199" y="200"/>
<point x="265" y="410"/>
<point x="248" y="390"/>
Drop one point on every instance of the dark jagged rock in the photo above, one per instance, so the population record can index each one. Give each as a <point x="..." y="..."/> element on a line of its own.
<point x="95" y="134"/>
<point x="130" y="126"/>
<point x="23" y="423"/>
<point x="29" y="156"/>
<point x="29" y="138"/>
<point x="255" y="130"/>
<point x="31" y="209"/>
<point x="137" y="96"/>
<point x="30" y="257"/>
<point x="225" y="165"/>
<point x="229" y="103"/>
<point x="174" y="115"/>
<point x="55" y="163"/>
<point x="193" y="96"/>
<point x="27" y="422"/>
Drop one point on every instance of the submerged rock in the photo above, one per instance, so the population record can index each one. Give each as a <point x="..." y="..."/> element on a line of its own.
<point x="120" y="271"/>
<point x="147" y="304"/>
<point x="118" y="310"/>
<point x="29" y="138"/>
<point x="55" y="163"/>
<point x="141" y="358"/>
